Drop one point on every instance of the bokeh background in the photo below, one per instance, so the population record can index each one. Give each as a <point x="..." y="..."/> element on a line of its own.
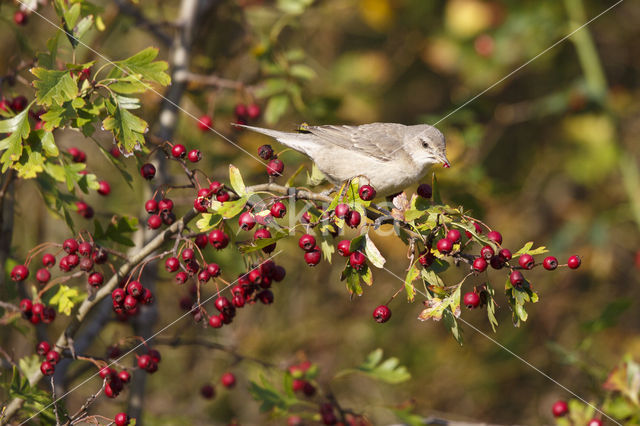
<point x="549" y="155"/>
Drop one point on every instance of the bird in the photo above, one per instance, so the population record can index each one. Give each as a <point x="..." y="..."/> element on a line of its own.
<point x="389" y="156"/>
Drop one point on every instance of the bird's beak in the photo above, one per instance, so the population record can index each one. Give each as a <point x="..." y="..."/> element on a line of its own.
<point x="445" y="161"/>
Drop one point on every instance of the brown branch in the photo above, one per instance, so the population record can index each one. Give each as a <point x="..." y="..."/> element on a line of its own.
<point x="212" y="80"/>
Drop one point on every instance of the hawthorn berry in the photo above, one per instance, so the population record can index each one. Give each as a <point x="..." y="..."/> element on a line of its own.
<point x="342" y="210"/>
<point x="426" y="258"/>
<point x="313" y="256"/>
<point x="222" y="196"/>
<point x="357" y="260"/>
<point x="246" y="221"/>
<point x="264" y="233"/>
<point x="425" y="191"/>
<point x="471" y="300"/>
<point x="594" y="422"/>
<point x="215" y="186"/>
<point x="77" y="155"/>
<point x="228" y="380"/>
<point x="478" y="230"/>
<point x="43" y="276"/>
<point x="218" y="239"/>
<point x="454" y="236"/>
<point x="526" y="261"/>
<point x="130" y="303"/>
<point x="505" y="255"/>
<point x="194" y="155"/>
<point x="353" y="219"/>
<point x="154" y="221"/>
<point x="497" y="262"/>
<point x="215" y="321"/>
<point x="124" y="376"/>
<point x="118" y="295"/>
<point x="516" y="278"/>
<point x="253" y="111"/>
<point x="43" y="348"/>
<point x="165" y="205"/>
<point x="86" y="264"/>
<point x="106" y="372"/>
<point x="121" y="419"/>
<point x="100" y="255"/>
<point x="213" y="269"/>
<point x="204" y="276"/>
<point x="266" y="297"/>
<point x="20" y="18"/>
<point x="155" y="355"/>
<point x="47" y="368"/>
<point x="48" y="260"/>
<point x="19" y="103"/>
<point x="104" y="188"/>
<point x="367" y="193"/>
<point x="275" y="167"/>
<point x="188" y="254"/>
<point x="343" y="248"/>
<point x="201" y="204"/>
<point x="148" y="171"/>
<point x="178" y="151"/>
<point x="207" y="391"/>
<point x="84" y="248"/>
<point x="279" y="273"/>
<point x="444" y="246"/>
<point x="560" y="408"/>
<point x="240" y="111"/>
<point x="144" y="361"/>
<point x="151" y="206"/>
<point x="26" y="305"/>
<point x="168" y="218"/>
<point x="495" y="236"/>
<point x="307" y="242"/>
<point x="70" y="245"/>
<point x="171" y="264"/>
<point x="574" y="262"/>
<point x="487" y="252"/>
<point x="238" y="300"/>
<point x="278" y="210"/>
<point x="265" y="152"/>
<point x="550" y="263"/>
<point x="381" y="314"/>
<point x="201" y="240"/>
<point x="48" y="315"/>
<point x="204" y="123"/>
<point x="182" y="277"/>
<point x="95" y="279"/>
<point x="53" y="357"/>
<point x="135" y="288"/>
<point x="479" y="264"/>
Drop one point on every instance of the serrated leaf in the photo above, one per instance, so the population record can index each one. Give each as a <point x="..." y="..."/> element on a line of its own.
<point x="327" y="250"/>
<point x="276" y="107"/>
<point x="229" y="209"/>
<point x="127" y="128"/>
<point x="372" y="252"/>
<point x="35" y="400"/>
<point x="29" y="365"/>
<point x="128" y="85"/>
<point x="353" y="280"/>
<point x="54" y="87"/>
<point x="66" y="298"/>
<point x="388" y="371"/>
<point x="527" y="250"/>
<point x="18" y="129"/>
<point x="412" y="274"/>
<point x="235" y="178"/>
<point x="208" y="221"/>
<point x="432" y="278"/>
<point x="143" y="63"/>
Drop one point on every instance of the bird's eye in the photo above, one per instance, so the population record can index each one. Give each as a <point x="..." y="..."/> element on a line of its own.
<point x="425" y="144"/>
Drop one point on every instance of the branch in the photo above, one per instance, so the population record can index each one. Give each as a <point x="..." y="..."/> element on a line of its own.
<point x="212" y="80"/>
<point x="143" y="22"/>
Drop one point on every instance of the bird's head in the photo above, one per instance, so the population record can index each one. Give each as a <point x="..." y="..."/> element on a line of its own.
<point x="426" y="145"/>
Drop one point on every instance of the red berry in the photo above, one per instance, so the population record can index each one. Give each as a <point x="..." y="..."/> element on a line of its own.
<point x="240" y="111"/>
<point x="526" y="261"/>
<point x="497" y="262"/>
<point x="53" y="357"/>
<point x="495" y="236"/>
<point x="516" y="278"/>
<point x="343" y="248"/>
<point x="26" y="305"/>
<point x="171" y="264"/>
<point x="342" y="210"/>
<point x="105" y="188"/>
<point x="43" y="348"/>
<point x="215" y="321"/>
<point x="148" y="171"/>
<point x="207" y="391"/>
<point x="477" y="227"/>
<point x="426" y="258"/>
<point x="222" y="196"/>
<point x="574" y="262"/>
<point x="70" y="245"/>
<point x="144" y="361"/>
<point x="246" y="221"/>
<point x="47" y="368"/>
<point x="238" y="300"/>
<point x="20" y="18"/>
<point x="487" y="252"/>
<point x="382" y="313"/>
<point x="204" y="276"/>
<point x="279" y="273"/>
<point x="253" y="111"/>
<point x="118" y="295"/>
<point x="218" y="239"/>
<point x="130" y="303"/>
<point x="307" y="242"/>
<point x="85" y="248"/>
<point x="444" y="246"/>
<point x="182" y="277"/>
<point x="106" y="372"/>
<point x="194" y="155"/>
<point x="454" y="236"/>
<point x="228" y="380"/>
<point x="215" y="186"/>
<point x="95" y="279"/>
<point x="594" y="422"/>
<point x="367" y="192"/>
<point x="48" y="315"/>
<point x="86" y="264"/>
<point x="425" y="191"/>
<point x="264" y="233"/>
<point x="115" y="151"/>
<point x="154" y="221"/>
<point x="48" y="260"/>
<point x="357" y="260"/>
<point x="265" y="152"/>
<point x="43" y="276"/>
<point x="479" y="264"/>
<point x="213" y="269"/>
<point x="178" y="151"/>
<point x="151" y="206"/>
<point x="124" y="376"/>
<point x="155" y="355"/>
<point x="313" y="256"/>
<point x="275" y="167"/>
<point x="201" y="204"/>
<point x="278" y="210"/>
<point x="353" y="219"/>
<point x="471" y="300"/>
<point x="165" y="205"/>
<point x="266" y="297"/>
<point x="19" y="273"/>
<point x="121" y="419"/>
<point x="559" y="409"/>
<point x="505" y="255"/>
<point x="550" y="263"/>
<point x="188" y="254"/>
<point x="204" y="123"/>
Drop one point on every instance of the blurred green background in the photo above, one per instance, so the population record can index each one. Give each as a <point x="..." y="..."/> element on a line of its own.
<point x="550" y="155"/>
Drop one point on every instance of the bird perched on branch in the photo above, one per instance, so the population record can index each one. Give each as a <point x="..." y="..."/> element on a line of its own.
<point x="390" y="156"/>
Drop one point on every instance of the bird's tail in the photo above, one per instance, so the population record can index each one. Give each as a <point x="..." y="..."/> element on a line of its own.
<point x="298" y="141"/>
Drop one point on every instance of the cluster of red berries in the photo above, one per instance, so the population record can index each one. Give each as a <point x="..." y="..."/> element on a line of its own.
<point x="51" y="358"/>
<point x="149" y="361"/>
<point x="190" y="266"/>
<point x="301" y="379"/>
<point x="245" y="113"/>
<point x="16" y="105"/>
<point x="179" y="151"/>
<point x="204" y="196"/>
<point x="275" y="166"/>
<point x="561" y="408"/>
<point x="228" y="380"/>
<point x="115" y="381"/>
<point x="247" y="220"/>
<point x="126" y="299"/>
<point x="160" y="211"/>
<point x="36" y="312"/>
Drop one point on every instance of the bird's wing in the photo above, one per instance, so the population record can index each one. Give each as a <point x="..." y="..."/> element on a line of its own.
<point x="378" y="140"/>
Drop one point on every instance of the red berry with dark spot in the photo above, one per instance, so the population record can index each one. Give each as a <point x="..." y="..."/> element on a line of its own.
<point x="104" y="188"/>
<point x="188" y="254"/>
<point x="266" y="297"/>
<point x="342" y="210"/>
<point x="85" y="248"/>
<point x="550" y="263"/>
<point x="144" y="361"/>
<point x="20" y="18"/>
<point x="26" y="305"/>
<point x="43" y="276"/>
<point x="574" y="262"/>
<point x="154" y="221"/>
<point x="238" y="300"/>
<point x="70" y="245"/>
<point x="454" y="236"/>
<point x="182" y="277"/>
<point x="178" y="150"/>
<point x="479" y="264"/>
<point x="353" y="219"/>
<point x="222" y="196"/>
<point x="130" y="303"/>
<point x="19" y="273"/>
<point x="194" y="155"/>
<point x="560" y="408"/>
<point x="264" y="233"/>
<point x="204" y="123"/>
<point x="497" y="262"/>
<point x="213" y="269"/>
<point x="357" y="260"/>
<point x="43" y="348"/>
<point x="594" y="422"/>
<point x="343" y="248"/>
<point x="265" y="152"/>
<point x="313" y="256"/>
<point x="204" y="276"/>
<point x="151" y="206"/>
<point x="275" y="167"/>
<point x="218" y="239"/>
<point x="495" y="236"/>
<point x="121" y="419"/>
<point x="478" y="230"/>
<point x="367" y="192"/>
<point x="215" y="187"/>
<point x="526" y="261"/>
<point x="505" y="255"/>
<point x="228" y="380"/>
<point x="487" y="252"/>
<point x="148" y="171"/>
<point x="278" y="210"/>
<point x="516" y="278"/>
<point x="118" y="295"/>
<point x="53" y="357"/>
<point x="171" y="264"/>
<point x="48" y="260"/>
<point x="47" y="368"/>
<point x="426" y="258"/>
<point x="86" y="264"/>
<point x="307" y="242"/>
<point x="124" y="376"/>
<point x="425" y="191"/>
<point x="95" y="279"/>
<point x="382" y="314"/>
<point x="165" y="205"/>
<point x="247" y="221"/>
<point x="444" y="246"/>
<point x="471" y="300"/>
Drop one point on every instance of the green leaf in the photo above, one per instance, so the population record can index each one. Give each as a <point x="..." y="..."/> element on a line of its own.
<point x="71" y="15"/>
<point x="35" y="400"/>
<point x="452" y="324"/>
<point x="327" y="249"/>
<point x="208" y="221"/>
<point x="432" y="279"/>
<point x="276" y="107"/>
<point x="249" y="247"/>
<point x="29" y="365"/>
<point x="236" y="181"/>
<point x="435" y="188"/>
<point x="272" y="86"/>
<point x="372" y="252"/>
<point x="412" y="274"/>
<point x="527" y="250"/>
<point x="269" y="397"/>
<point x="230" y="209"/>
<point x="143" y="63"/>
<point x="388" y="371"/>
<point x="128" y="85"/>
<point x="302" y="71"/>
<point x="366" y="275"/>
<point x="491" y="307"/>
<point x="127" y="128"/>
<point x="18" y="129"/>
<point x="66" y="298"/>
<point x="295" y="175"/>
<point x="353" y="280"/>
<point x="357" y="244"/>
<point x="54" y="87"/>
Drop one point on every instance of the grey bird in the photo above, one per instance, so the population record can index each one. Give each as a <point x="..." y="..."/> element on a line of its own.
<point x="389" y="156"/>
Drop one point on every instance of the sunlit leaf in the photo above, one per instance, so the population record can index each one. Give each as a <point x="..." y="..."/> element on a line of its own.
<point x="54" y="87"/>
